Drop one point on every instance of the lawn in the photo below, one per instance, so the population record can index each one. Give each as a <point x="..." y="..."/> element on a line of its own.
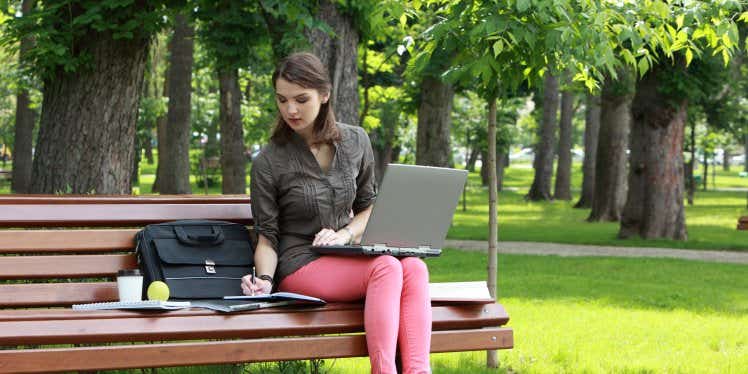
<point x="597" y="315"/>
<point x="711" y="221"/>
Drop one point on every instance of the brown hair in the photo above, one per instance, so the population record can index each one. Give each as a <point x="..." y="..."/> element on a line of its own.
<point x="306" y="70"/>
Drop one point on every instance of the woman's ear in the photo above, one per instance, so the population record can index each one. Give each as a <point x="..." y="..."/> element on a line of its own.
<point x="325" y="98"/>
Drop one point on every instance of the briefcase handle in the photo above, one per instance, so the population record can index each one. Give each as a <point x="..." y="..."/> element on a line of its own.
<point x="215" y="237"/>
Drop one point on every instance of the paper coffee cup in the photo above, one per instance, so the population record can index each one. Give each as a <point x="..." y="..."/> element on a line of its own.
<point x="130" y="285"/>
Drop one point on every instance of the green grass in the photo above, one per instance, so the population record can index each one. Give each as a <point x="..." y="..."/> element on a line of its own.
<point x="598" y="315"/>
<point x="616" y="315"/>
<point x="711" y="221"/>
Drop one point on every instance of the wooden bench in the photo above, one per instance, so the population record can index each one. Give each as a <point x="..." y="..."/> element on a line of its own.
<point x="743" y="223"/>
<point x="58" y="251"/>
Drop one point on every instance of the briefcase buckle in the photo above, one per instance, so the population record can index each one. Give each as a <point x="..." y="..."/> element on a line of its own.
<point x="210" y="266"/>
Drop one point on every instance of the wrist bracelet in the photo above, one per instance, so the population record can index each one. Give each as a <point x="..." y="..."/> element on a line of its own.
<point x="350" y="234"/>
<point x="267" y="278"/>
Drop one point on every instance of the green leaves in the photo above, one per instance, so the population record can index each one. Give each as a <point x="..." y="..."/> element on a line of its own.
<point x="523" y="5"/>
<point x="61" y="29"/>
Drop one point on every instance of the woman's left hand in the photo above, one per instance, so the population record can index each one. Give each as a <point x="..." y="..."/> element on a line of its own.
<point x="331" y="237"/>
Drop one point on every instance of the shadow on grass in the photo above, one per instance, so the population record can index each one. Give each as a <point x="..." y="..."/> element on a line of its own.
<point x="662" y="284"/>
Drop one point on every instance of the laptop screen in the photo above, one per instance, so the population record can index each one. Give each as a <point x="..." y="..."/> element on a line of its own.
<point x="414" y="206"/>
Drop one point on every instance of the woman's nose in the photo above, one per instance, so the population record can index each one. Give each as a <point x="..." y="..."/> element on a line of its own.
<point x="291" y="108"/>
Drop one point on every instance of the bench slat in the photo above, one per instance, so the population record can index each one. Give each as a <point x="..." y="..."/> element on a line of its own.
<point x="79" y="266"/>
<point x="161" y="326"/>
<point x="204" y="353"/>
<point x="10" y="315"/>
<point x="40" y="241"/>
<point x="54" y="294"/>
<point x="67" y="313"/>
<point x="34" y="215"/>
<point x="123" y="199"/>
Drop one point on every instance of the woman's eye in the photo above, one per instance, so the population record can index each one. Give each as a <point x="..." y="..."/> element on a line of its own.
<point x="281" y="100"/>
<point x="301" y="101"/>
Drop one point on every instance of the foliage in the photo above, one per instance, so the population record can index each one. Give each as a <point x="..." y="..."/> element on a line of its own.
<point x="7" y="94"/>
<point x="469" y="117"/>
<point x="224" y="27"/>
<point x="60" y="29"/>
<point x="287" y="20"/>
<point x="258" y="107"/>
<point x="510" y="42"/>
<point x="375" y="20"/>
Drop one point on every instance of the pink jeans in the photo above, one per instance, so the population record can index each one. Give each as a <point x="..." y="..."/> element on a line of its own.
<point x="397" y="307"/>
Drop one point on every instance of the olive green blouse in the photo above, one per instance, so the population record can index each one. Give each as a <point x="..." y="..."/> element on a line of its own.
<point x="293" y="199"/>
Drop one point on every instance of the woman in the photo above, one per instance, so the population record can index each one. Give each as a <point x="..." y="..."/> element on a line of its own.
<point x="314" y="185"/>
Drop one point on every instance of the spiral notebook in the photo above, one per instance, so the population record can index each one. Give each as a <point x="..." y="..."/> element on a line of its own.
<point x="278" y="296"/>
<point x="145" y="304"/>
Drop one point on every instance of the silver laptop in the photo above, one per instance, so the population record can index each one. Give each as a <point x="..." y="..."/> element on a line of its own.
<point x="411" y="215"/>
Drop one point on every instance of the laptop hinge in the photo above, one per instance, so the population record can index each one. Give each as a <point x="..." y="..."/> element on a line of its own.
<point x="427" y="247"/>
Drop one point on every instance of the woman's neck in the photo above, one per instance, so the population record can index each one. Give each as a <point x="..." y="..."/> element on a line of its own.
<point x="307" y="135"/>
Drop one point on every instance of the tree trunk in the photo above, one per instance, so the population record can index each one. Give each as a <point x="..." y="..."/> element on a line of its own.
<point x="492" y="359"/>
<point x="339" y="53"/>
<point x="591" y="134"/>
<point x="705" y="177"/>
<point x="544" y="150"/>
<point x="176" y="163"/>
<point x="434" y="122"/>
<point x="23" y="143"/>
<point x="726" y="159"/>
<point x="88" y="120"/>
<point x="161" y="129"/>
<point x="25" y="121"/>
<point x="135" y="175"/>
<point x="474" y="153"/>
<point x="562" y="188"/>
<point x="384" y="138"/>
<point x="613" y="141"/>
<point x="501" y="159"/>
<point x="745" y="152"/>
<point x="654" y="207"/>
<point x="484" y="177"/>
<point x="155" y="90"/>
<point x="234" y="173"/>
<point x="692" y="165"/>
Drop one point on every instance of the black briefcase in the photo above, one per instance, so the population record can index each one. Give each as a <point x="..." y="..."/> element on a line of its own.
<point x="195" y="258"/>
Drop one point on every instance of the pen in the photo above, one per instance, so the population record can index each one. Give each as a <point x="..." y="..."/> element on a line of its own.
<point x="253" y="279"/>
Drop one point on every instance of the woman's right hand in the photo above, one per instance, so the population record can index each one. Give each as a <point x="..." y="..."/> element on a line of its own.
<point x="258" y="287"/>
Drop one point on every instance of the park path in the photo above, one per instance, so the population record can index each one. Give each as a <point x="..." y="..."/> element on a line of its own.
<point x="536" y="248"/>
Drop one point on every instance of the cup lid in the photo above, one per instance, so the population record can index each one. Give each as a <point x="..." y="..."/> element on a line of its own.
<point x="129" y="272"/>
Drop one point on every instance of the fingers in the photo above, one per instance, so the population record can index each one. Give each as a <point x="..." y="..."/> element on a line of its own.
<point x="325" y="237"/>
<point x="259" y="286"/>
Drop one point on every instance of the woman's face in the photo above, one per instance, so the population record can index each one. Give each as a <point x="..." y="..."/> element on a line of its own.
<point x="298" y="106"/>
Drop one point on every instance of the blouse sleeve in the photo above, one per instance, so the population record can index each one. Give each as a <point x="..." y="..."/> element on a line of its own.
<point x="264" y="199"/>
<point x="366" y="184"/>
